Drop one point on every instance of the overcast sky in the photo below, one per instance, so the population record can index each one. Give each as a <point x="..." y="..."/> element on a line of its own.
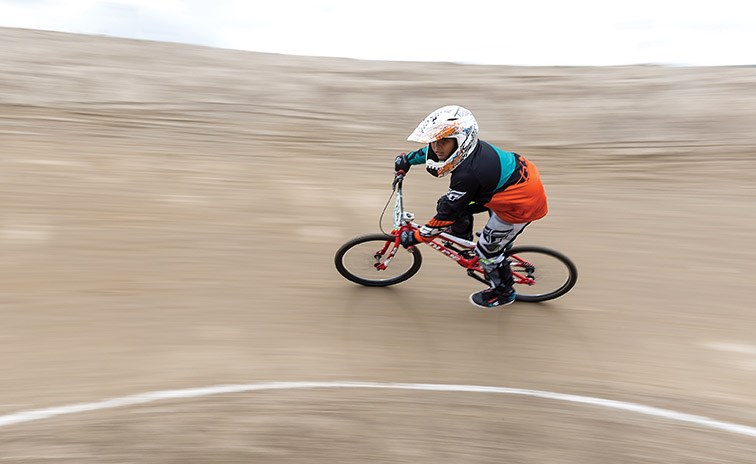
<point x="523" y="32"/>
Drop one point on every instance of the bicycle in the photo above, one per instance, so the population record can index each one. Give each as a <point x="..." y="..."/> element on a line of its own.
<point x="379" y="260"/>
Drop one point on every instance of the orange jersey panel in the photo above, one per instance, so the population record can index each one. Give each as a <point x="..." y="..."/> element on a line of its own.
<point x="524" y="201"/>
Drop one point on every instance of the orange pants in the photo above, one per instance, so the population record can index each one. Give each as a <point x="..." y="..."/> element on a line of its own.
<point x="524" y="201"/>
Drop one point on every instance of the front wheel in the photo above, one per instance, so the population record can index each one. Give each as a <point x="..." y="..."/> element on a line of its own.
<point x="365" y="260"/>
<point x="540" y="273"/>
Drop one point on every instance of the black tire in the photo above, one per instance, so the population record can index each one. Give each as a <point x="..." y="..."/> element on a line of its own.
<point x="554" y="273"/>
<point x="356" y="260"/>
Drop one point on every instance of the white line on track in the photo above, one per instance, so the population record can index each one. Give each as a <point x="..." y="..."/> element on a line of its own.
<point x="741" y="348"/>
<point x="142" y="398"/>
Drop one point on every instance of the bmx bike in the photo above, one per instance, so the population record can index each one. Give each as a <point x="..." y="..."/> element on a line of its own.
<point x="379" y="259"/>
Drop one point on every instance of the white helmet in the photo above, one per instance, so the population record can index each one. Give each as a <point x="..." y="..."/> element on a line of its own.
<point x="448" y="122"/>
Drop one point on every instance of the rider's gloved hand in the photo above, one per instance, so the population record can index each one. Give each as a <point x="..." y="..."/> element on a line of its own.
<point x="401" y="163"/>
<point x="407" y="238"/>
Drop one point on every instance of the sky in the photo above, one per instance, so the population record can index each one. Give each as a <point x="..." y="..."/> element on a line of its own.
<point x="502" y="32"/>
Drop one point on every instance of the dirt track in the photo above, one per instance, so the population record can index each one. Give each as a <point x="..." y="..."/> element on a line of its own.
<point x="169" y="214"/>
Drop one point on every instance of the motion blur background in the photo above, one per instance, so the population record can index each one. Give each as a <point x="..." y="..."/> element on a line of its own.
<point x="169" y="214"/>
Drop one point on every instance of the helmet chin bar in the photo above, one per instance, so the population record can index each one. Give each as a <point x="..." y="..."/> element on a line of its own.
<point x="431" y="171"/>
<point x="434" y="166"/>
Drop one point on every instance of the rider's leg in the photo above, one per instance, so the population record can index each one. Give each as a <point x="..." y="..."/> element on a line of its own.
<point x="496" y="237"/>
<point x="464" y="224"/>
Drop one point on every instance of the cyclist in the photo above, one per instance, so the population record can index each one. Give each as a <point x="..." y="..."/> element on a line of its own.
<point x="483" y="177"/>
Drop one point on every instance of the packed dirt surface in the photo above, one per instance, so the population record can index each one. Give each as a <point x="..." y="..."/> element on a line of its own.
<point x="169" y="216"/>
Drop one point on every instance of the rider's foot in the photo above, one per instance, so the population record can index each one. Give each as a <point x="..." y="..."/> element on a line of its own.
<point x="492" y="297"/>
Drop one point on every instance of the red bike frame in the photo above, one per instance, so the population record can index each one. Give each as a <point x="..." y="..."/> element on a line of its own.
<point x="444" y="244"/>
<point x="472" y="265"/>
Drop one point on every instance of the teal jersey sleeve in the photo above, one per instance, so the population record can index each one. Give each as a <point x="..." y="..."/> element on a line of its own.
<point x="417" y="156"/>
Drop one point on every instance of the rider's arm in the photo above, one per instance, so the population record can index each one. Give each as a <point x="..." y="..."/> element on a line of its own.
<point x="462" y="191"/>
<point x="405" y="161"/>
<point x="417" y="156"/>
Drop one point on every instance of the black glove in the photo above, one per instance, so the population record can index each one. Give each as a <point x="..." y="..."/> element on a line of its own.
<point x="401" y="163"/>
<point x="407" y="238"/>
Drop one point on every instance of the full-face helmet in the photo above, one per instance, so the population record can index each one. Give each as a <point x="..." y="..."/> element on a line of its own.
<point x="448" y="122"/>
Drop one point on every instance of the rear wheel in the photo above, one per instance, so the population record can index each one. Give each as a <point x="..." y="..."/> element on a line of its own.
<point x="541" y="273"/>
<point x="360" y="260"/>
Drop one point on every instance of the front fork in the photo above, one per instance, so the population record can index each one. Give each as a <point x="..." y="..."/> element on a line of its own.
<point x="381" y="266"/>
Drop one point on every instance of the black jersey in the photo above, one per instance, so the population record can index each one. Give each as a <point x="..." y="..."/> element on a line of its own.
<point x="485" y="171"/>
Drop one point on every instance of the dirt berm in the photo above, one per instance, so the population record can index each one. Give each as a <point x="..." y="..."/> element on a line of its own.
<point x="169" y="216"/>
